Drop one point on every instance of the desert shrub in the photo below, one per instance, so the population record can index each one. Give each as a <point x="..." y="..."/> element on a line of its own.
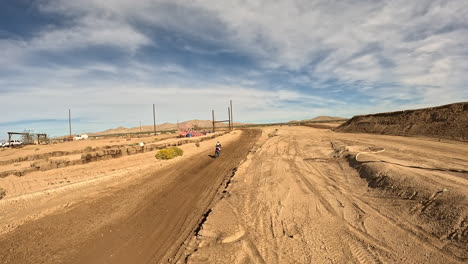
<point x="28" y="138"/>
<point x="169" y="153"/>
<point x="178" y="151"/>
<point x="88" y="149"/>
<point x="2" y="193"/>
<point x="197" y="144"/>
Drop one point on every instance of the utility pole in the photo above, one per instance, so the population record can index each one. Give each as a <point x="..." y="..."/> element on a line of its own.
<point x="212" y="114"/>
<point x="230" y="117"/>
<point x="69" y="121"/>
<point x="154" y="120"/>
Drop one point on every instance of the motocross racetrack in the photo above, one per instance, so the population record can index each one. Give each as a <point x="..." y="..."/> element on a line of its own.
<point x="284" y="194"/>
<point x="145" y="222"/>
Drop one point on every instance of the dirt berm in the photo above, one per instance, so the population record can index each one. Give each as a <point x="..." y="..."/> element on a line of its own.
<point x="447" y="121"/>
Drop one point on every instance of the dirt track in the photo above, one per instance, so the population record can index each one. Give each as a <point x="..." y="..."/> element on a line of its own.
<point x="298" y="200"/>
<point x="146" y="221"/>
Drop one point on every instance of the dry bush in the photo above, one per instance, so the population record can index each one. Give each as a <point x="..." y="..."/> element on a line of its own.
<point x="2" y="193"/>
<point x="88" y="149"/>
<point x="28" y="138"/>
<point x="197" y="144"/>
<point x="169" y="153"/>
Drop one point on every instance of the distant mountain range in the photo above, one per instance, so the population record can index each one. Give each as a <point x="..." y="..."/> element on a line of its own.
<point x="320" y="118"/>
<point x="203" y="124"/>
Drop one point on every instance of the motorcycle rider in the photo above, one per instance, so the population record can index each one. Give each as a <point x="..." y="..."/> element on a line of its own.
<point x="218" y="149"/>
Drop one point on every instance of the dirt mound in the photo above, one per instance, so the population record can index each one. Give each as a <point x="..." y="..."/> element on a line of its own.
<point x="447" y="121"/>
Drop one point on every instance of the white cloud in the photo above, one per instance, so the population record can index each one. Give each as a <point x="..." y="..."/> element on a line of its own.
<point x="387" y="50"/>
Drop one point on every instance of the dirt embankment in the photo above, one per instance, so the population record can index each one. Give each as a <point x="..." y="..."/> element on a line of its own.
<point x="447" y="121"/>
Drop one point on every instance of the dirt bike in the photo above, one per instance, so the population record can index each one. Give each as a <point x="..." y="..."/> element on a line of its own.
<point x="217" y="152"/>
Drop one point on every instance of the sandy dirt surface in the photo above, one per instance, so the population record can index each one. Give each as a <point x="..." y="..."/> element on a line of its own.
<point x="302" y="197"/>
<point x="139" y="210"/>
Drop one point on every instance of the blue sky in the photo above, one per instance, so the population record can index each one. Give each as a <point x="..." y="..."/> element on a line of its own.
<point x="109" y="61"/>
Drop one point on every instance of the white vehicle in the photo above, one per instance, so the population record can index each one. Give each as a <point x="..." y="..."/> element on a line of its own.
<point x="80" y="137"/>
<point x="13" y="143"/>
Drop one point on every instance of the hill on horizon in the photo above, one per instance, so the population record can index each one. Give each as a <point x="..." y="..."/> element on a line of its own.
<point x="325" y="118"/>
<point x="205" y="124"/>
<point x="320" y="118"/>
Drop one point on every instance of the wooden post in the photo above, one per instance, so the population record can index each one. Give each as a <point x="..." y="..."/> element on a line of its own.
<point x="154" y="120"/>
<point x="212" y="114"/>
<point x="69" y="121"/>
<point x="229" y="118"/>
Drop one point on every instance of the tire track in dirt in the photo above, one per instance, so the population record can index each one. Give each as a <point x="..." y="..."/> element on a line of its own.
<point x="363" y="254"/>
<point x="354" y="200"/>
<point x="302" y="202"/>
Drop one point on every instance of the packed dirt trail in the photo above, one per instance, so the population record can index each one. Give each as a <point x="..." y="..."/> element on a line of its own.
<point x="298" y="200"/>
<point x="146" y="221"/>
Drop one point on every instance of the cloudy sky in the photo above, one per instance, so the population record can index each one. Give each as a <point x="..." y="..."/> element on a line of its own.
<point x="109" y="61"/>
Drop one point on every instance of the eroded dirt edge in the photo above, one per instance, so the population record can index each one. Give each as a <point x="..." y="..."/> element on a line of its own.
<point x="438" y="210"/>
